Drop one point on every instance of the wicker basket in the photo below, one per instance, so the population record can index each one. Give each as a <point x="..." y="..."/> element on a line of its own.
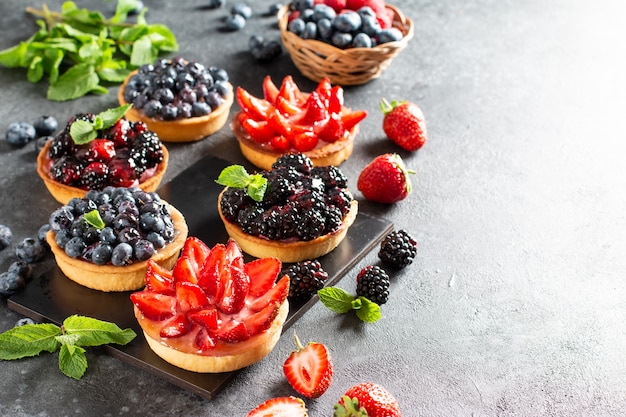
<point x="354" y="66"/>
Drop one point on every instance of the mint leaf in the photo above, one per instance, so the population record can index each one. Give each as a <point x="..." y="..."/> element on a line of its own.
<point x="93" y="219"/>
<point x="336" y="299"/>
<point x="72" y="361"/>
<point x="142" y="52"/>
<point x="82" y="132"/>
<point x="29" y="340"/>
<point x="369" y="310"/>
<point x="256" y="187"/>
<point x="77" y="81"/>
<point x="111" y="116"/>
<point x="93" y="332"/>
<point x="236" y="176"/>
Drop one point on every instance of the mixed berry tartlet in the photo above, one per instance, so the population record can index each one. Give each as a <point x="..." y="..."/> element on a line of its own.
<point x="212" y="312"/>
<point x="304" y="213"/>
<point x="94" y="151"/>
<point x="183" y="101"/>
<point x="287" y="119"/>
<point x="104" y="240"/>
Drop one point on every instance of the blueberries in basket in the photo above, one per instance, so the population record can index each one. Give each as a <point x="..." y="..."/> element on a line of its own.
<point x="341" y="40"/>
<point x="46" y="126"/>
<point x="310" y="31"/>
<point x="347" y="22"/>
<point x="263" y="50"/>
<point x="273" y="9"/>
<point x="19" y="134"/>
<point x="361" y="40"/>
<point x="323" y="11"/>
<point x="389" y="35"/>
<point x="6" y="236"/>
<point x="296" y="26"/>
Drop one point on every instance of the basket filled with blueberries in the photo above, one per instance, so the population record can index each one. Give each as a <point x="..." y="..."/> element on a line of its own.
<point x="351" y="42"/>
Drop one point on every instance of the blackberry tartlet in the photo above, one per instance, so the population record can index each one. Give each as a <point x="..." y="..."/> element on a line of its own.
<point x="95" y="151"/>
<point x="182" y="101"/>
<point x="104" y="240"/>
<point x="304" y="213"/>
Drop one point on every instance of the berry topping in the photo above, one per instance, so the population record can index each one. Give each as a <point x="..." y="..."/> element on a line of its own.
<point x="372" y="282"/>
<point x="398" y="249"/>
<point x="306" y="278"/>
<point x="309" y="369"/>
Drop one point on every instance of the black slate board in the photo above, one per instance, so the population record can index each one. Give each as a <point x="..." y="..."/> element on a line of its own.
<point x="51" y="297"/>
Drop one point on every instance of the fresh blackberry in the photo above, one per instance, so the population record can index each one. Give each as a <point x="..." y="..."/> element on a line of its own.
<point x="331" y="176"/>
<point x="61" y="145"/>
<point x="339" y="198"/>
<point x="398" y="249"/>
<point x="312" y="225"/>
<point x="66" y="170"/>
<point x="333" y="219"/>
<point x="282" y="220"/>
<point x="308" y="199"/>
<point x="373" y="284"/>
<point x="249" y="219"/>
<point x="233" y="200"/>
<point x="278" y="189"/>
<point x="299" y="161"/>
<point x="146" y="151"/>
<point x="95" y="176"/>
<point x="306" y="278"/>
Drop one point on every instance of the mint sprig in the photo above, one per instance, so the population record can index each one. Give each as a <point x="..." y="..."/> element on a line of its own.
<point x="83" y="131"/>
<point x="70" y="339"/>
<point x="94" y="219"/>
<point x="340" y="301"/>
<point x="236" y="176"/>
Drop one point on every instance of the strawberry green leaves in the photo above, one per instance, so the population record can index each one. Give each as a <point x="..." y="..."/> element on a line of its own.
<point x="83" y="131"/>
<point x="340" y="301"/>
<point x="236" y="176"/>
<point x="76" y="333"/>
<point x="96" y="50"/>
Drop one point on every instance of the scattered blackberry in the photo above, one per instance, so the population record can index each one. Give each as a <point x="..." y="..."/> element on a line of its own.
<point x="398" y="249"/>
<point x="373" y="284"/>
<point x="306" y="278"/>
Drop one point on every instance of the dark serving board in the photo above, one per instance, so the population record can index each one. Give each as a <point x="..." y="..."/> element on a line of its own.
<point x="52" y="297"/>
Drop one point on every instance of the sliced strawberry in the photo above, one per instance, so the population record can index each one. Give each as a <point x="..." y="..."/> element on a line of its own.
<point x="315" y="109"/>
<point x="323" y="89"/>
<point x="204" y="341"/>
<point x="279" y="122"/>
<point x="208" y="278"/>
<point x="304" y="141"/>
<point x="207" y="317"/>
<point x="190" y="296"/>
<point x="280" y="143"/>
<point x="336" y="100"/>
<point x="196" y="251"/>
<point x="255" y="107"/>
<point x="154" y="306"/>
<point x="309" y="369"/>
<point x="263" y="273"/>
<point x="332" y="129"/>
<point x="185" y="270"/>
<point x="261" y="131"/>
<point x="232" y="331"/>
<point x="270" y="90"/>
<point x="176" y="326"/>
<point x="276" y="295"/>
<point x="159" y="279"/>
<point x="280" y="407"/>
<point x="235" y="290"/>
<point x="233" y="254"/>
<point x="289" y="90"/>
<point x="353" y="118"/>
<point x="261" y="320"/>
<point x="286" y="107"/>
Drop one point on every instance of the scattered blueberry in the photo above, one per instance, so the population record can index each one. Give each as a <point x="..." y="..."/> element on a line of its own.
<point x="6" y="236"/>
<point x="24" y="321"/>
<point x="235" y="22"/>
<point x="40" y="142"/>
<point x="30" y="250"/>
<point x="137" y="9"/>
<point x="273" y="9"/>
<point x="215" y="4"/>
<point x="20" y="133"/>
<point x="263" y="50"/>
<point x="22" y="269"/>
<point x="10" y="283"/>
<point x="242" y="9"/>
<point x="41" y="235"/>
<point x="46" y="126"/>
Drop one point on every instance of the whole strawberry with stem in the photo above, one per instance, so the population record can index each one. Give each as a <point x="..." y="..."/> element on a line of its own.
<point x="404" y="124"/>
<point x="385" y="179"/>
<point x="367" y="399"/>
<point x="309" y="369"/>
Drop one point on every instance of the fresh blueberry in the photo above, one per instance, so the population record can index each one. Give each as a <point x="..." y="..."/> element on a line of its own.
<point x="169" y="111"/>
<point x="390" y="35"/>
<point x="215" y="4"/>
<point x="362" y="40"/>
<point x="325" y="29"/>
<point x="144" y="249"/>
<point x="61" y="218"/>
<point x="75" y="247"/>
<point x="6" y="236"/>
<point x="30" y="250"/>
<point x="366" y="11"/>
<point x="40" y="142"/>
<point x="273" y="9"/>
<point x="347" y="22"/>
<point x="24" y="321"/>
<point x="234" y="22"/>
<point x="255" y="42"/>
<point x="122" y="254"/>
<point x="341" y="40"/>
<point x="20" y="133"/>
<point x="370" y="25"/>
<point x="10" y="283"/>
<point x="242" y="9"/>
<point x="310" y="31"/>
<point x="323" y="11"/>
<point x="200" y="109"/>
<point x="101" y="253"/>
<point x="22" y="269"/>
<point x="41" y="234"/>
<point x="218" y="74"/>
<point x="46" y="125"/>
<point x="296" y="26"/>
<point x="268" y="51"/>
<point x="302" y="4"/>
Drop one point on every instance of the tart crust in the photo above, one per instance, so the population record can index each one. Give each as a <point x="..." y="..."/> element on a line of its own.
<point x="287" y="252"/>
<point x="64" y="193"/>
<point x="263" y="156"/>
<point x="181" y="130"/>
<point x="110" y="278"/>
<point x="260" y="346"/>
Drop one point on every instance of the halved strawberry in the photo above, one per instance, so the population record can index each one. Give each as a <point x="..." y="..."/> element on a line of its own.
<point x="154" y="306"/>
<point x="262" y="319"/>
<point x="324" y="88"/>
<point x="331" y="130"/>
<point x="353" y="118"/>
<point x="159" y="279"/>
<point x="270" y="90"/>
<point x="232" y="331"/>
<point x="262" y="273"/>
<point x="290" y="91"/>
<point x="259" y="130"/>
<point x="176" y="326"/>
<point x="277" y="294"/>
<point x="309" y="369"/>
<point x="280" y="407"/>
<point x="196" y="250"/>
<point x="233" y="254"/>
<point x="286" y="107"/>
<point x="185" y="270"/>
<point x="235" y="290"/>
<point x="254" y="107"/>
<point x="207" y="317"/>
<point x="336" y="100"/>
<point x="190" y="296"/>
<point x="208" y="278"/>
<point x="315" y="109"/>
<point x="204" y="341"/>
<point x="304" y="141"/>
<point x="280" y="143"/>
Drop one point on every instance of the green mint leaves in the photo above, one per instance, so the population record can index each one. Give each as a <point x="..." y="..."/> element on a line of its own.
<point x="83" y="131"/>
<point x="94" y="219"/>
<point x="76" y="333"/>
<point x="95" y="50"/>
<point x="236" y="176"/>
<point x="340" y="301"/>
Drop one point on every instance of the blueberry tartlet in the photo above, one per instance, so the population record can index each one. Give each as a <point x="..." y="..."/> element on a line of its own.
<point x="182" y="101"/>
<point x="104" y="240"/>
<point x="304" y="212"/>
<point x="95" y="151"/>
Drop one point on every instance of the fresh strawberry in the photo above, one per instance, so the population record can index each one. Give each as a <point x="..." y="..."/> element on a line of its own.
<point x="235" y="291"/>
<point x="232" y="331"/>
<point x="185" y="270"/>
<point x="290" y="91"/>
<point x="207" y="317"/>
<point x="254" y="107"/>
<point x="280" y="407"/>
<point x="208" y="278"/>
<point x="233" y="254"/>
<point x="190" y="296"/>
<point x="261" y="131"/>
<point x="98" y="150"/>
<point x="309" y="369"/>
<point x="204" y="341"/>
<point x="276" y="295"/>
<point x="262" y="273"/>
<point x="196" y="251"/>
<point x="385" y="179"/>
<point x="159" y="279"/>
<point x="304" y="141"/>
<point x="286" y="107"/>
<point x="404" y="124"/>
<point x="280" y="143"/>
<point x="262" y="319"/>
<point x="338" y="5"/>
<point x="367" y="400"/>
<point x="270" y="90"/>
<point x="316" y="110"/>
<point x="332" y="129"/>
<point x="353" y="118"/>
<point x="176" y="326"/>
<point x="335" y="99"/>
<point x="154" y="306"/>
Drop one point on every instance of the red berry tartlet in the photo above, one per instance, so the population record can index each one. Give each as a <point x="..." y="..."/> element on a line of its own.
<point x="287" y="119"/>
<point x="304" y="212"/>
<point x="105" y="240"/>
<point x="182" y="101"/>
<point x="94" y="151"/>
<point x="212" y="312"/>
